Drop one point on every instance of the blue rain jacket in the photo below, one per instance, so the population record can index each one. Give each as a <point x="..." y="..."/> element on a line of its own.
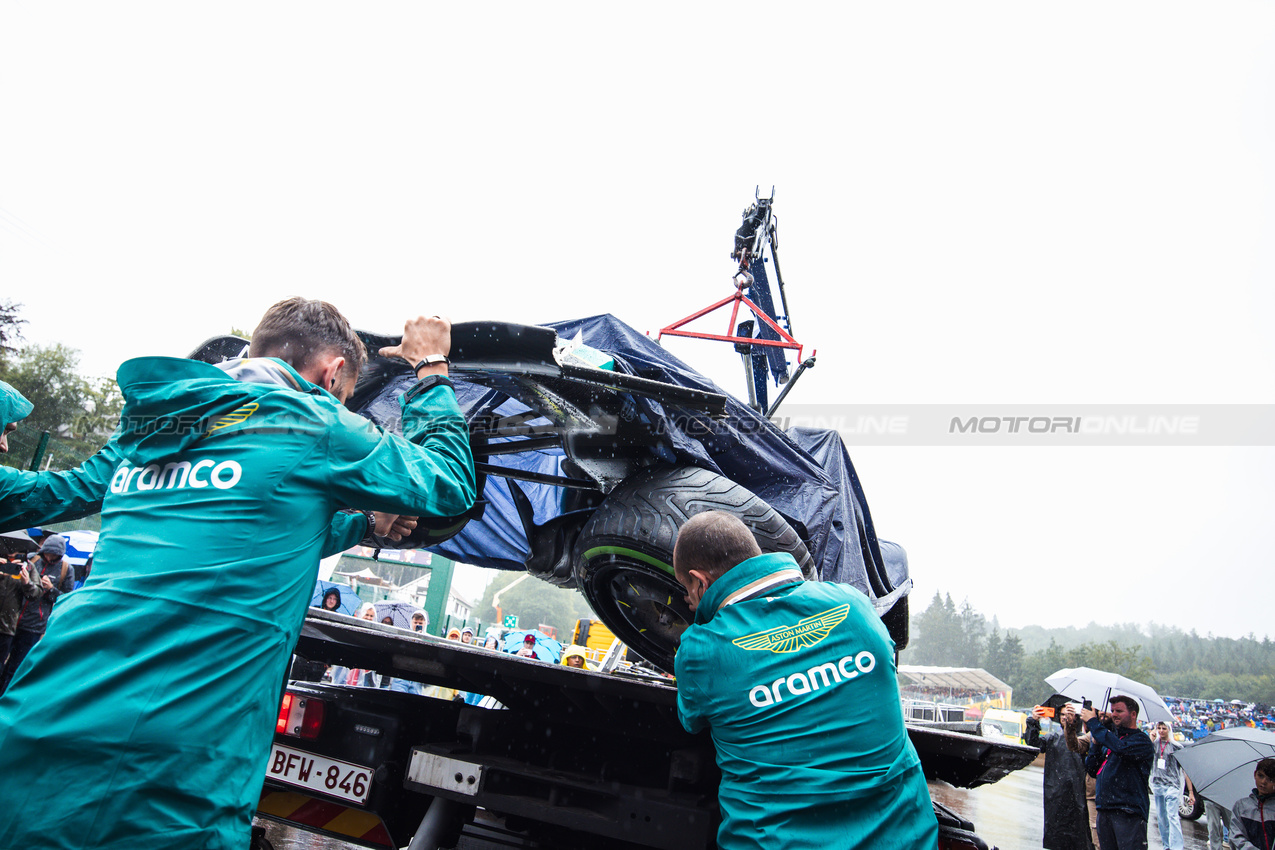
<point x="156" y="686"/>
<point x="796" y="681"/>
<point x="1122" y="761"/>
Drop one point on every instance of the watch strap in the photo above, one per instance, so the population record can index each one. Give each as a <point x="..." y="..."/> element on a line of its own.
<point x="426" y="384"/>
<point x="432" y="360"/>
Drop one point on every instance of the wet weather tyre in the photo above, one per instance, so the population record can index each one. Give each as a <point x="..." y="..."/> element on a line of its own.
<point x="624" y="555"/>
<point x="1189" y="812"/>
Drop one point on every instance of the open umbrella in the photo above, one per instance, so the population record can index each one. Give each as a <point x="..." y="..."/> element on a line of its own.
<point x="17" y="541"/>
<point x="400" y="612"/>
<point x="79" y="546"/>
<point x="348" y="601"/>
<point x="1221" y="764"/>
<point x="1099" y="686"/>
<point x="547" y="648"/>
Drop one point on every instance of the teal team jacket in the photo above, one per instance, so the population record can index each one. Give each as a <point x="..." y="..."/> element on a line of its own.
<point x="145" y="715"/>
<point x="796" y="681"/>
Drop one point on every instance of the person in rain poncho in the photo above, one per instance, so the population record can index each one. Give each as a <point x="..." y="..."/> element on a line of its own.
<point x="795" y="680"/>
<point x="1166" y="786"/>
<point x="157" y="682"/>
<point x="575" y="657"/>
<point x="14" y="407"/>
<point x="1066" y="813"/>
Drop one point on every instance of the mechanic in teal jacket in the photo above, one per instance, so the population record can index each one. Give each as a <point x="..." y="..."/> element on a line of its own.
<point x="155" y="689"/>
<point x="14" y="407"/>
<point x="30" y="498"/>
<point x="796" y="682"/>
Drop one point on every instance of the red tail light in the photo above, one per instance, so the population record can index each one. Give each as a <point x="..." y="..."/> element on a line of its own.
<point x="300" y="717"/>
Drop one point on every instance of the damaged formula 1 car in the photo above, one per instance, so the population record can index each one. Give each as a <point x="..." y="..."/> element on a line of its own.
<point x="593" y="445"/>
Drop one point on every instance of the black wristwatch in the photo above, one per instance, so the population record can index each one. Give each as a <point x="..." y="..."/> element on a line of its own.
<point x="426" y="384"/>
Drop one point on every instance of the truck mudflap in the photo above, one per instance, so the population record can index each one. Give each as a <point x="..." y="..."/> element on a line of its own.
<point x="573" y="758"/>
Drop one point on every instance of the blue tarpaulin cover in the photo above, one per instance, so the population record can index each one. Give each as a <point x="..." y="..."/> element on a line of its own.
<point x="805" y="474"/>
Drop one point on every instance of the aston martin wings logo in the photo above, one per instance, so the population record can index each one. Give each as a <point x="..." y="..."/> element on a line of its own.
<point x="236" y="416"/>
<point x="807" y="632"/>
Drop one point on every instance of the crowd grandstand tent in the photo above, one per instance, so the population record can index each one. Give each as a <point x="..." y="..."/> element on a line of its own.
<point x="968" y="686"/>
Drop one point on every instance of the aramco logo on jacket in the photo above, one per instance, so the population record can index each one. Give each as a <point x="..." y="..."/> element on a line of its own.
<point x="806" y="632"/>
<point x="177" y="475"/>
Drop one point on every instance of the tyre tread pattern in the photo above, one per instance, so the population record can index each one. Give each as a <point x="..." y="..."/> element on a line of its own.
<point x="645" y="513"/>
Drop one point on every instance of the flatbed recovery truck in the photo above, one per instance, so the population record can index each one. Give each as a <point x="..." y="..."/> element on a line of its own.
<point x="573" y="759"/>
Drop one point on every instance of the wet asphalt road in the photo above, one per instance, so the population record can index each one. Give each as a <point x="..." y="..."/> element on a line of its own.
<point x="1007" y="815"/>
<point x="1010" y="815"/>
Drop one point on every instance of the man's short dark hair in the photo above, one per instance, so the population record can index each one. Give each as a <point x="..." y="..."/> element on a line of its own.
<point x="1266" y="767"/>
<point x="1130" y="704"/>
<point x="713" y="542"/>
<point x="297" y="330"/>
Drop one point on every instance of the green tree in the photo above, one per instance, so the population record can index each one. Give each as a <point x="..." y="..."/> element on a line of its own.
<point x="1012" y="659"/>
<point x="10" y="328"/>
<point x="534" y="602"/>
<point x="1030" y="687"/>
<point x="993" y="654"/>
<point x="971" y="629"/>
<point x="1173" y="662"/>
<point x="48" y="376"/>
<point x="1127" y="661"/>
<point x="935" y="631"/>
<point x="96" y="422"/>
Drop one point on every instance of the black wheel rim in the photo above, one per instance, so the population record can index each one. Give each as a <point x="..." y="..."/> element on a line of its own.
<point x="645" y="609"/>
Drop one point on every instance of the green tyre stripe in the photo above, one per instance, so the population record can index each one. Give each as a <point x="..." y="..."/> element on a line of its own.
<point x="631" y="553"/>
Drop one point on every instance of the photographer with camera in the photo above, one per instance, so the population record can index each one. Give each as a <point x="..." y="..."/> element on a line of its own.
<point x="1066" y="818"/>
<point x="1121" y="759"/>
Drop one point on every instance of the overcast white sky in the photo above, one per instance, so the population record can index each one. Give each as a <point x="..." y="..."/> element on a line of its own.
<point x="990" y="203"/>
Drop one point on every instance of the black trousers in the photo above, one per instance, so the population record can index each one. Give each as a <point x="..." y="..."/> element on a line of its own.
<point x="22" y="643"/>
<point x="1119" y="830"/>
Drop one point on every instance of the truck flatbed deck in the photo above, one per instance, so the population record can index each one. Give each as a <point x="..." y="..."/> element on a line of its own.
<point x="573" y="759"/>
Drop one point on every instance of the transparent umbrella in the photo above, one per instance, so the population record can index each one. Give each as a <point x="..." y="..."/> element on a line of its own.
<point x="400" y="612"/>
<point x="1099" y="686"/>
